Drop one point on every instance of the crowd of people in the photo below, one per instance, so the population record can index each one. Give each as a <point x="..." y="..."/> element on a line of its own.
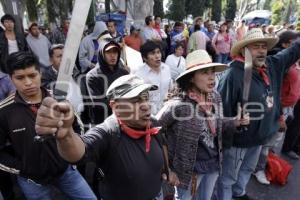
<point x="176" y="127"/>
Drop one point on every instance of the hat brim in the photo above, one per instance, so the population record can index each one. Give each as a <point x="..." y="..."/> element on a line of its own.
<point x="236" y="49"/>
<point x="138" y="90"/>
<point x="219" y="67"/>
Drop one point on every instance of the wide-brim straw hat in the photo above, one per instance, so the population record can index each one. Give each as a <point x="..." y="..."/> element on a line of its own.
<point x="252" y="36"/>
<point x="197" y="60"/>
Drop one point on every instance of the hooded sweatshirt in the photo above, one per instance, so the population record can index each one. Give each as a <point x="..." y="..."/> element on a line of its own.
<point x="87" y="48"/>
<point x="98" y="80"/>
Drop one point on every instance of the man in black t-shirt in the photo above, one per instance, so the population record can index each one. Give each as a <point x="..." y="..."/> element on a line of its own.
<point x="125" y="145"/>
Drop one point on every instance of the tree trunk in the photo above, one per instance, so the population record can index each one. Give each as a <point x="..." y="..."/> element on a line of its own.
<point x="231" y="9"/>
<point x="32" y="10"/>
<point x="158" y="8"/>
<point x="107" y="6"/>
<point x="216" y="10"/>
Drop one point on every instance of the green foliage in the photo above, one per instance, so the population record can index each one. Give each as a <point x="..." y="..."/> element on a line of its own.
<point x="31" y="6"/>
<point x="196" y="7"/>
<point x="158" y="8"/>
<point x="231" y="9"/>
<point x="177" y="10"/>
<point x="277" y="9"/>
<point x="216" y="10"/>
<point x="267" y="5"/>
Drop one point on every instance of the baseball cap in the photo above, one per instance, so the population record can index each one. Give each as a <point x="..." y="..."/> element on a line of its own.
<point x="127" y="87"/>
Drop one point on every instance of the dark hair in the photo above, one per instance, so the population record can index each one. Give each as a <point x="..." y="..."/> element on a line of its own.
<point x="54" y="47"/>
<point x="197" y="27"/>
<point x="32" y="25"/>
<point x="148" y="19"/>
<point x="177" y="24"/>
<point x="7" y="17"/>
<point x="156" y="16"/>
<point x="148" y="47"/>
<point x="21" y="60"/>
<point x="286" y="37"/>
<point x="111" y="20"/>
<point x="179" y="44"/>
<point x="184" y="84"/>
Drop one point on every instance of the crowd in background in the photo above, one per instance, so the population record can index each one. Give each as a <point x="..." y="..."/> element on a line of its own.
<point x="164" y="49"/>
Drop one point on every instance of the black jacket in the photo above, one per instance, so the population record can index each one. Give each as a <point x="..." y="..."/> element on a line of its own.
<point x="97" y="82"/>
<point x="22" y="45"/>
<point x="39" y="162"/>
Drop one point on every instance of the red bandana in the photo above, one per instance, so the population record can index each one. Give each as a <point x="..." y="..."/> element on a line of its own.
<point x="261" y="70"/>
<point x="205" y="106"/>
<point x="138" y="134"/>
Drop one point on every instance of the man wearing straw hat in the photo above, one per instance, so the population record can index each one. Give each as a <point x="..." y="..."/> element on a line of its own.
<point x="241" y="156"/>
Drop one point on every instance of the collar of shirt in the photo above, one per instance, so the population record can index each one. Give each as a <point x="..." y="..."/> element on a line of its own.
<point x="149" y="69"/>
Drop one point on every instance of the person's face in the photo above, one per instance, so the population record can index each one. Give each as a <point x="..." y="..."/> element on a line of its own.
<point x="154" y="58"/>
<point x="56" y="58"/>
<point x="136" y="33"/>
<point x="258" y="51"/>
<point x="179" y="51"/>
<point x="199" y="22"/>
<point x="111" y="27"/>
<point x="135" y="112"/>
<point x="35" y="32"/>
<point x="204" y="80"/>
<point x="9" y="25"/>
<point x="111" y="56"/>
<point x="66" y="24"/>
<point x="27" y="82"/>
<point x="178" y="28"/>
<point x="158" y="20"/>
<point x="210" y="28"/>
<point x="223" y="28"/>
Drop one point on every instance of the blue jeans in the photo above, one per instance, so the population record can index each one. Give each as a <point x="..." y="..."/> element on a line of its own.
<point x="238" y="165"/>
<point x="223" y="58"/>
<point x="71" y="183"/>
<point x="205" y="183"/>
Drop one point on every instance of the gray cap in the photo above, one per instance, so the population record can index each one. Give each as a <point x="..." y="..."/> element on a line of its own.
<point x="127" y="87"/>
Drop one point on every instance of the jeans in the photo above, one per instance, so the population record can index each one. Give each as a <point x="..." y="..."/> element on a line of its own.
<point x="223" y="58"/>
<point x="274" y="142"/>
<point x="71" y="183"/>
<point x="205" y="188"/>
<point x="238" y="165"/>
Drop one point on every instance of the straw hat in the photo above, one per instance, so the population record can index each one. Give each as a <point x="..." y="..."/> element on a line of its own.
<point x="252" y="36"/>
<point x="199" y="59"/>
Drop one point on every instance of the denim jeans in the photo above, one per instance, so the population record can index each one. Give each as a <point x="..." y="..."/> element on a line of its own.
<point x="205" y="188"/>
<point x="273" y="143"/>
<point x="238" y="165"/>
<point x="71" y="183"/>
<point x="223" y="58"/>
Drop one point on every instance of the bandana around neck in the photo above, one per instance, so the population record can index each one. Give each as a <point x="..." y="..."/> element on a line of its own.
<point x="136" y="134"/>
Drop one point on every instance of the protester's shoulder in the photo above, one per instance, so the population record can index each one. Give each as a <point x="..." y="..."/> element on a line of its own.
<point x="106" y="128"/>
<point x="7" y="102"/>
<point x="93" y="73"/>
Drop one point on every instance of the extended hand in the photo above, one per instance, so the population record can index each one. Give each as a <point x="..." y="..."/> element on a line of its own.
<point x="54" y="118"/>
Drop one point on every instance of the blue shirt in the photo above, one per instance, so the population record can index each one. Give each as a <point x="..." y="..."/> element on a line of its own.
<point x="6" y="86"/>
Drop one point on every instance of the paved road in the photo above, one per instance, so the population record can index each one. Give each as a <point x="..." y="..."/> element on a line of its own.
<point x="291" y="191"/>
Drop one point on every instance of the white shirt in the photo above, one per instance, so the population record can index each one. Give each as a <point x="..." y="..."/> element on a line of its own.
<point x="161" y="79"/>
<point x="12" y="46"/>
<point x="176" y="64"/>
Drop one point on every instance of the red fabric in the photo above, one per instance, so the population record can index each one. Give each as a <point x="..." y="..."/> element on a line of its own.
<point x="157" y="28"/>
<point x="133" y="42"/>
<point x="290" y="92"/>
<point x="277" y="169"/>
<point x="135" y="134"/>
<point x="261" y="70"/>
<point x="205" y="104"/>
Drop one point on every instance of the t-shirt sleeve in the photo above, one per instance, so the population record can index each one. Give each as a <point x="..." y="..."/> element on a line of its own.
<point x="96" y="142"/>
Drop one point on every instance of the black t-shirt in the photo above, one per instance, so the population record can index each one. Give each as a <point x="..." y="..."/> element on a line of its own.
<point x="130" y="172"/>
